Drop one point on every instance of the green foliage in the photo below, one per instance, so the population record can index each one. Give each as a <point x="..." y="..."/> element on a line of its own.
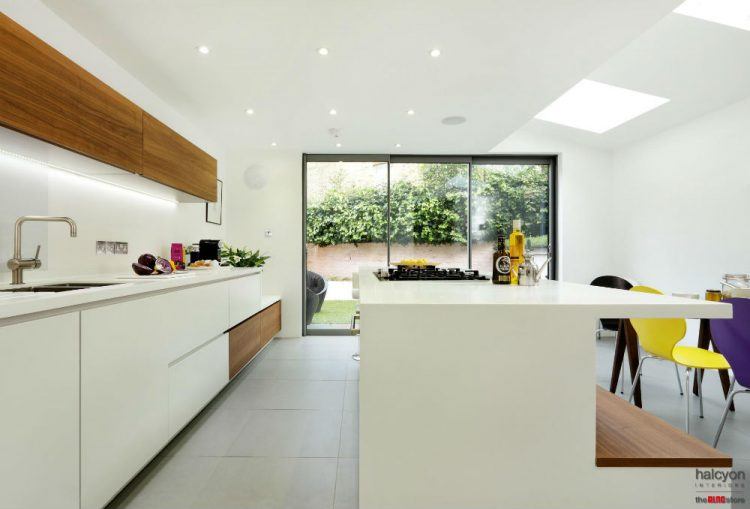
<point x="431" y="208"/>
<point x="242" y="257"/>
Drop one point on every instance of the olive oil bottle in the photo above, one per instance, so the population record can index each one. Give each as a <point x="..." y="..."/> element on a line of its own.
<point x="501" y="263"/>
<point x="517" y="245"/>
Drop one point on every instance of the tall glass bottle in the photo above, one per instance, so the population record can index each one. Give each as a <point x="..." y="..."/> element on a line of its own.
<point x="501" y="263"/>
<point x="517" y="245"/>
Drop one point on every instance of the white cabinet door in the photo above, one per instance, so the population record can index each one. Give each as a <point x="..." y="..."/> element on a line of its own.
<point x="198" y="314"/>
<point x="39" y="417"/>
<point x="124" y="392"/>
<point x="195" y="380"/>
<point x="244" y="298"/>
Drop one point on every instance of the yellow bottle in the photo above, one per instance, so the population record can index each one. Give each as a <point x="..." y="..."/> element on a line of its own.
<point x="517" y="245"/>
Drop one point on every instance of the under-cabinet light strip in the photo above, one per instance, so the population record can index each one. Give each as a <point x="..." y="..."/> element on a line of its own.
<point x="84" y="175"/>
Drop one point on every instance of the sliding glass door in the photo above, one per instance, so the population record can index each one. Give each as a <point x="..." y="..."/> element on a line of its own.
<point x="378" y="210"/>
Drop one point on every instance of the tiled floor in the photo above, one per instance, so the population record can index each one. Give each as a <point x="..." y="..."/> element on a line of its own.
<point x="284" y="435"/>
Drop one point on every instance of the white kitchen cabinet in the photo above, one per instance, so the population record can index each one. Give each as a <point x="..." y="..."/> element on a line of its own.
<point x="195" y="380"/>
<point x="39" y="422"/>
<point x="245" y="295"/>
<point x="124" y="391"/>
<point x="197" y="314"/>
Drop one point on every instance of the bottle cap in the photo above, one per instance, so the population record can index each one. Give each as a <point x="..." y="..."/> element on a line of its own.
<point x="516" y="224"/>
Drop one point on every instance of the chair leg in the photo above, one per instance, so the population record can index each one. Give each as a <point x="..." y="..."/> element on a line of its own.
<point x="730" y="398"/>
<point x="637" y="377"/>
<point x="679" y="382"/>
<point x="622" y="380"/>
<point x="687" y="400"/>
<point x="699" y="375"/>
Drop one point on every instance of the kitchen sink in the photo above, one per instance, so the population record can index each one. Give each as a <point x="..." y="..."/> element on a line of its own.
<point x="58" y="287"/>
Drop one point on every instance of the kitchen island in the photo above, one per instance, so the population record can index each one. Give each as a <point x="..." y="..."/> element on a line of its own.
<point x="474" y="395"/>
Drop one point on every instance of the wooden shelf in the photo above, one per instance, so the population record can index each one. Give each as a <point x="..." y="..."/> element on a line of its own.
<point x="627" y="436"/>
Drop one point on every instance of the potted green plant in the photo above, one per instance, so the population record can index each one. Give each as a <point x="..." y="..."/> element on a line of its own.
<point x="242" y="257"/>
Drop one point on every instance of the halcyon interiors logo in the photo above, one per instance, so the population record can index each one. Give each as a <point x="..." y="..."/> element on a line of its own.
<point x="719" y="486"/>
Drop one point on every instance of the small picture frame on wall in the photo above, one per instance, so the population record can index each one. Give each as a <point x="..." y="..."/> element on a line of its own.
<point x="213" y="209"/>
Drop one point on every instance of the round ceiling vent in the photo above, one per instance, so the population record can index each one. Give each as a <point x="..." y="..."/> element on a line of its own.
<point x="454" y="120"/>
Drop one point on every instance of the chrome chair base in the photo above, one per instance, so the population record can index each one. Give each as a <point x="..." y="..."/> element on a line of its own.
<point x="732" y="393"/>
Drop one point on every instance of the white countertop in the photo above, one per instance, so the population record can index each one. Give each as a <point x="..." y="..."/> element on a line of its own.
<point x="603" y="302"/>
<point x="22" y="303"/>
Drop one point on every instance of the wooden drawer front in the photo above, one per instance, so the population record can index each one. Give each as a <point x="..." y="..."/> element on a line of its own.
<point x="244" y="343"/>
<point x="172" y="160"/>
<point x="38" y="87"/>
<point x="270" y="323"/>
<point x="195" y="380"/>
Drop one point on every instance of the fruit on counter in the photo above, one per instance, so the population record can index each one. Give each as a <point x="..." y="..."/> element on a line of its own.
<point x="142" y="270"/>
<point x="201" y="263"/>
<point x="148" y="260"/>
<point x="415" y="262"/>
<point x="163" y="266"/>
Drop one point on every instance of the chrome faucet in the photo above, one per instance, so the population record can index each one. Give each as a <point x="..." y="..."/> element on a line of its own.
<point x="17" y="264"/>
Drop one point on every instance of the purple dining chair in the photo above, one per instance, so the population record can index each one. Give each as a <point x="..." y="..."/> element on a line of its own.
<point x="733" y="339"/>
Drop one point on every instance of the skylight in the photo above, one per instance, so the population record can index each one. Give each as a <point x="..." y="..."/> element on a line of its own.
<point x="734" y="13"/>
<point x="598" y="107"/>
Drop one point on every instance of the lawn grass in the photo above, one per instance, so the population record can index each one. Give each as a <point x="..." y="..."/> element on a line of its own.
<point x="335" y="311"/>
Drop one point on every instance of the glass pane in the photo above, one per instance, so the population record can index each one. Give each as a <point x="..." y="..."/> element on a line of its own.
<point x="429" y="207"/>
<point x="500" y="194"/>
<point x="346" y="227"/>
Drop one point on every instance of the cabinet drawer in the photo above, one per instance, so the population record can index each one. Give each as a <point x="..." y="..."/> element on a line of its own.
<point x="195" y="380"/>
<point x="197" y="315"/>
<point x="270" y="323"/>
<point x="244" y="343"/>
<point x="244" y="298"/>
<point x="39" y="447"/>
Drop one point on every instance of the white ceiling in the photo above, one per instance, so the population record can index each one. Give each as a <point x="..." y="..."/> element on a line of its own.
<point x="698" y="65"/>
<point x="502" y="62"/>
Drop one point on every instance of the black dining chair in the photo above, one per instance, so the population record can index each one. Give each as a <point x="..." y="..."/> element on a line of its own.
<point x="612" y="324"/>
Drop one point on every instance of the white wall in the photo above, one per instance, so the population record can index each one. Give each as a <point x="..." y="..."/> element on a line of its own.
<point x="584" y="184"/>
<point x="102" y="212"/>
<point x="683" y="201"/>
<point x="277" y="206"/>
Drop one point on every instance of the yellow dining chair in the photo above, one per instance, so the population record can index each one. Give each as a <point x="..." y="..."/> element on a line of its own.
<point x="659" y="338"/>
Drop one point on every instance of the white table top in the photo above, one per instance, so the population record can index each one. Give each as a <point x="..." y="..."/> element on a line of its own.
<point x="602" y="302"/>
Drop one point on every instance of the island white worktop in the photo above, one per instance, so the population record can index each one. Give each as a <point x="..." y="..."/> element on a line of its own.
<point x="548" y="293"/>
<point x="476" y="395"/>
<point x="13" y="305"/>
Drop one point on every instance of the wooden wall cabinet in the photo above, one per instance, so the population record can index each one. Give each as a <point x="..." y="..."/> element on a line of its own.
<point x="249" y="337"/>
<point x="46" y="95"/>
<point x="172" y="160"/>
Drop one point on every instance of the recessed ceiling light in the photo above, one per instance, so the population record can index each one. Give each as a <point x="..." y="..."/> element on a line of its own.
<point x="273" y="143"/>
<point x="203" y="50"/>
<point x="322" y="51"/>
<point x="338" y="144"/>
<point x="454" y="120"/>
<point x="398" y="145"/>
<point x="410" y="113"/>
<point x="734" y="13"/>
<point x="434" y="53"/>
<point x="598" y="107"/>
<point x="249" y="111"/>
<point x="332" y="111"/>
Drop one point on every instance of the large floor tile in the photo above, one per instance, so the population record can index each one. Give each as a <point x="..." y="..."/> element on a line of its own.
<point x="289" y="433"/>
<point x="351" y="397"/>
<point x="336" y="348"/>
<point x="210" y="434"/>
<point x="270" y="483"/>
<point x="347" y="485"/>
<point x="168" y="483"/>
<point x="299" y="369"/>
<point x="251" y="394"/>
<point x="349" y="447"/>
<point x="352" y="370"/>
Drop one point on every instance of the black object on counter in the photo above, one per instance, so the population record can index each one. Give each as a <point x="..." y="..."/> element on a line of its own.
<point x="429" y="273"/>
<point x="209" y="250"/>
